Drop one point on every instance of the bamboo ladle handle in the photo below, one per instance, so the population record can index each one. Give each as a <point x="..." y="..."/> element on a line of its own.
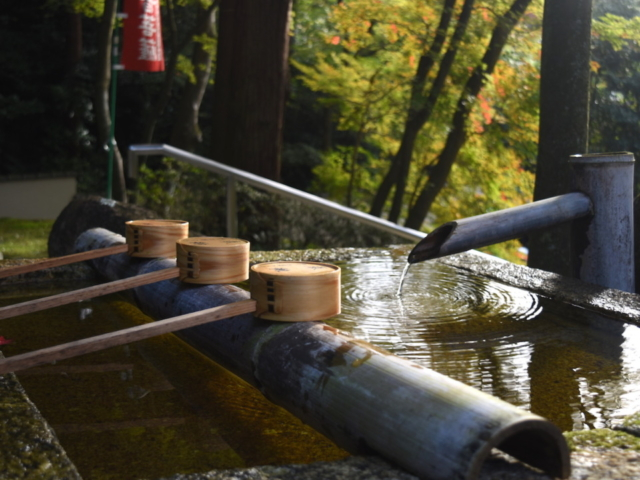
<point x="86" y="293"/>
<point x="66" y="260"/>
<point x="122" y="337"/>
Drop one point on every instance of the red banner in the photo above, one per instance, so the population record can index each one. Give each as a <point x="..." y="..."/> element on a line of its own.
<point x="142" y="43"/>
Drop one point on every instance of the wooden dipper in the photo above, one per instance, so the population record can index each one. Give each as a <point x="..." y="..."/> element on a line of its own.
<point x="213" y="260"/>
<point x="145" y="238"/>
<point x="155" y="238"/>
<point x="215" y="267"/>
<point x="295" y="291"/>
<point x="310" y="290"/>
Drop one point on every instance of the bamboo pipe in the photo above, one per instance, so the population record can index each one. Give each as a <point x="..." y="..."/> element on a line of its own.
<point x="353" y="393"/>
<point x="124" y="336"/>
<point x="145" y="238"/>
<point x="495" y="227"/>
<point x="602" y="245"/>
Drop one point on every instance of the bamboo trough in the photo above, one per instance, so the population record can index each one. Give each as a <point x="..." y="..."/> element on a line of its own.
<point x="205" y="261"/>
<point x="362" y="398"/>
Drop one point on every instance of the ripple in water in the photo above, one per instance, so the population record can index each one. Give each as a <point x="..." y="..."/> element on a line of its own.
<point x="509" y="342"/>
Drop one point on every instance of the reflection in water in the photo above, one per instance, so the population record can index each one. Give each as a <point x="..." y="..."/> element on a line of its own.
<point x="577" y="369"/>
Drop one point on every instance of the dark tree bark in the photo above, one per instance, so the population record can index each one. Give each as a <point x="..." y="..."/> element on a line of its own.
<point x="186" y="132"/>
<point x="564" y="118"/>
<point x="458" y="134"/>
<point x="249" y="90"/>
<point x="155" y="112"/>
<point x="417" y="104"/>
<point x="101" y="99"/>
<point x="422" y="115"/>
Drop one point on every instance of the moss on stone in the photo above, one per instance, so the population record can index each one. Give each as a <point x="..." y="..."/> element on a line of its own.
<point x="632" y="420"/>
<point x="28" y="446"/>
<point x="602" y="438"/>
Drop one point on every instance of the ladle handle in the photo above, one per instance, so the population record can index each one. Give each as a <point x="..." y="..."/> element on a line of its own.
<point x="122" y="337"/>
<point x="66" y="260"/>
<point x="86" y="293"/>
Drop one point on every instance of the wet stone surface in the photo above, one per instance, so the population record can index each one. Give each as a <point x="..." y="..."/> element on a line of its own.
<point x="588" y="463"/>
<point x="28" y="446"/>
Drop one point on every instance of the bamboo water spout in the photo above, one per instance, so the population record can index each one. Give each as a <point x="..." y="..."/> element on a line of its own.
<point x="602" y="230"/>
<point x="495" y="227"/>
<point x="362" y="398"/>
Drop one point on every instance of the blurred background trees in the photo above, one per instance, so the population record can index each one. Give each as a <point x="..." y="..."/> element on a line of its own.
<point x="419" y="111"/>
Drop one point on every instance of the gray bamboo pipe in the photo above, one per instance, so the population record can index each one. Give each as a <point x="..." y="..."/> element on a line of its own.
<point x="603" y="243"/>
<point x="362" y="398"/>
<point x="495" y="227"/>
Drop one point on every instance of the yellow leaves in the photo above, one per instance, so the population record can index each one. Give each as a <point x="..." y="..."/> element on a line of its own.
<point x="616" y="30"/>
<point x="186" y="68"/>
<point x="595" y="66"/>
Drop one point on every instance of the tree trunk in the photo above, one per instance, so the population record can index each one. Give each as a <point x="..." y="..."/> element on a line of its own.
<point x="458" y="133"/>
<point x="416" y="103"/>
<point x="427" y="103"/>
<point x="103" y="82"/>
<point x="186" y="133"/>
<point x="249" y="88"/>
<point x="564" y="118"/>
<point x="154" y="113"/>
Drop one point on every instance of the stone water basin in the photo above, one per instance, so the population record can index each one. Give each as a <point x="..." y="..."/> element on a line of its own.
<point x="568" y="362"/>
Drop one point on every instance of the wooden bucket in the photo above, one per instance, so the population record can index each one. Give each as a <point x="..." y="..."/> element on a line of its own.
<point x="213" y="260"/>
<point x="155" y="238"/>
<point x="295" y="291"/>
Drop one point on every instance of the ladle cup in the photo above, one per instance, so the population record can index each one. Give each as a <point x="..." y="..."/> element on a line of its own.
<point x="216" y="269"/>
<point x="145" y="238"/>
<point x="287" y="275"/>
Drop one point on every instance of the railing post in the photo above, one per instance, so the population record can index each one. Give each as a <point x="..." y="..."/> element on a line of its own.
<point x="232" y="208"/>
<point x="602" y="245"/>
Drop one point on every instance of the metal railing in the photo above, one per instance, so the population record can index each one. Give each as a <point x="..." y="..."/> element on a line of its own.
<point x="233" y="175"/>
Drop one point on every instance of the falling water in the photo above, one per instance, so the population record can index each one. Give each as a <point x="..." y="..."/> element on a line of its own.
<point x="402" y="277"/>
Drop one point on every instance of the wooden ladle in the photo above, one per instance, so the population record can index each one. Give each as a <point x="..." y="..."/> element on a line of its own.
<point x="145" y="238"/>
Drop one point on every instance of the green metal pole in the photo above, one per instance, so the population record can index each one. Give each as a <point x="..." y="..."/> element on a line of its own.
<point x="115" y="59"/>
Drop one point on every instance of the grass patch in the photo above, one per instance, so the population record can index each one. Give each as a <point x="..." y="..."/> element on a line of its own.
<point x="24" y="238"/>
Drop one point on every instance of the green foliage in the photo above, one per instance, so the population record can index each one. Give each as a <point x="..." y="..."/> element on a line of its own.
<point x="24" y="238"/>
<point x="615" y="80"/>
<point x="186" y="68"/>
<point x="348" y="175"/>
<point x="176" y="190"/>
<point x="364" y="72"/>
<point x="618" y="31"/>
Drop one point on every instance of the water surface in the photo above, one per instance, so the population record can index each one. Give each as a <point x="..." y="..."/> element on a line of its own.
<point x="578" y="369"/>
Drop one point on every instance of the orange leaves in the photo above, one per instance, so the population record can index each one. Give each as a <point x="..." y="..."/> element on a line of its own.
<point x="485" y="108"/>
<point x="335" y="40"/>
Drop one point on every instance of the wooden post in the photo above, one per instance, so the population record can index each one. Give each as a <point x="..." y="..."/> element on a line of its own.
<point x="357" y="395"/>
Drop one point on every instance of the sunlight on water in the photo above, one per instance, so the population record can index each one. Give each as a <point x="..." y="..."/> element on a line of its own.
<point x="571" y="366"/>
